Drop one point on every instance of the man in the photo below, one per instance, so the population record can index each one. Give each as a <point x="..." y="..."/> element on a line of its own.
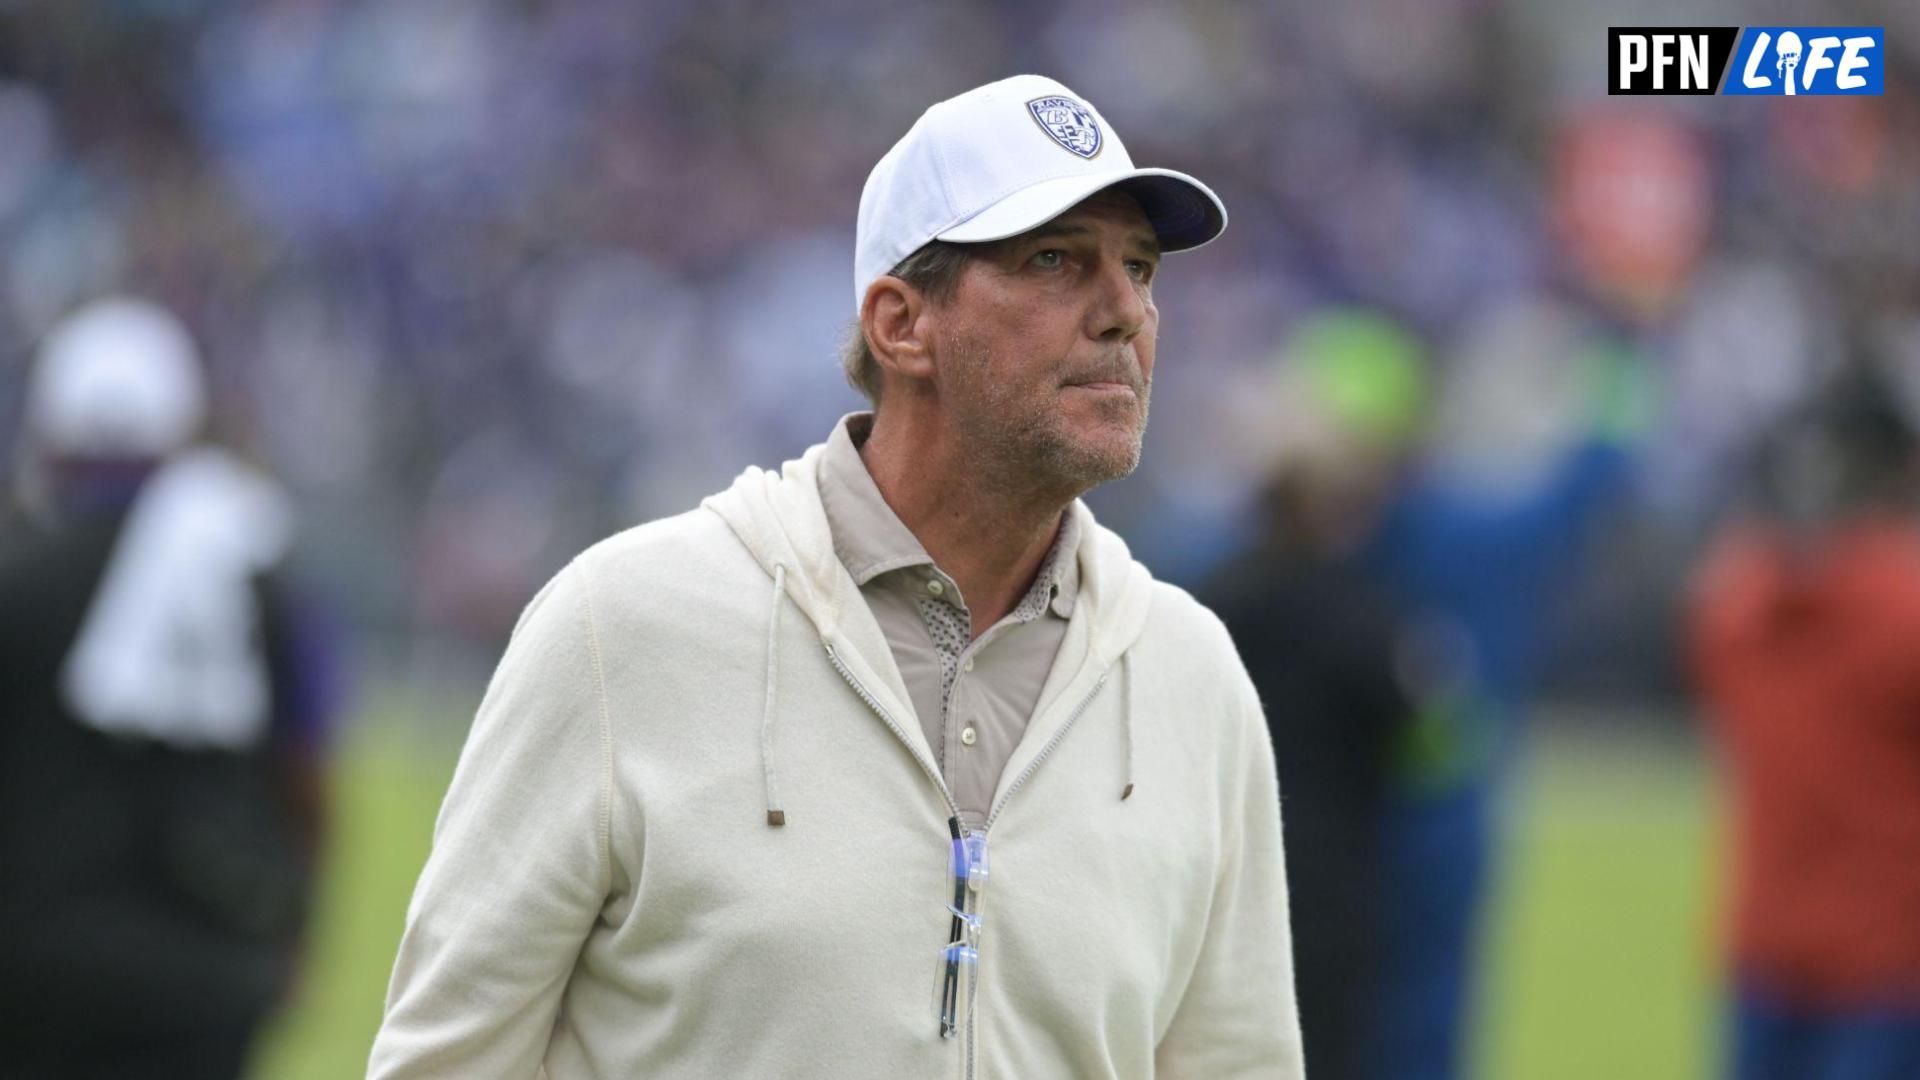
<point x="158" y="762"/>
<point x="726" y="810"/>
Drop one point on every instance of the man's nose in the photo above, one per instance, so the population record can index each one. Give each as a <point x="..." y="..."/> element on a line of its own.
<point x="1121" y="311"/>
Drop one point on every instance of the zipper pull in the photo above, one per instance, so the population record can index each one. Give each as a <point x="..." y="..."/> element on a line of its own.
<point x="977" y="867"/>
<point x="961" y="956"/>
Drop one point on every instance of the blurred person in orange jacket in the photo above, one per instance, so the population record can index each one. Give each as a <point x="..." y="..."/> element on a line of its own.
<point x="160" y="712"/>
<point x="1806" y="635"/>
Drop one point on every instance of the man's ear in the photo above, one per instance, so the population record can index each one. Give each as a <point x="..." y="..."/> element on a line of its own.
<point x="891" y="318"/>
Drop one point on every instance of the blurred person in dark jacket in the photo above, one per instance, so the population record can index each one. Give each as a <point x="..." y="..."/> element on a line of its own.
<point x="159" y="722"/>
<point x="1530" y="439"/>
<point x="1321" y="643"/>
<point x="1806" y="645"/>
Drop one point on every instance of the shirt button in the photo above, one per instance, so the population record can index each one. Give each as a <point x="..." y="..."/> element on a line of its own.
<point x="967" y="664"/>
<point x="935" y="587"/>
<point x="968" y="736"/>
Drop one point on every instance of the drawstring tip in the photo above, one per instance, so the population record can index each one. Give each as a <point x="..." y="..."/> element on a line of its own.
<point x="1126" y="793"/>
<point x="775" y="818"/>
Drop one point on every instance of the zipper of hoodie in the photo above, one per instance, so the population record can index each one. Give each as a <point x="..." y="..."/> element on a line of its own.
<point x="899" y="732"/>
<point x="932" y="774"/>
<point x="1045" y="751"/>
<point x="1033" y="766"/>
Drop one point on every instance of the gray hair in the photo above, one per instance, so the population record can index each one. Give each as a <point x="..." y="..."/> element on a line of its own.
<point x="935" y="271"/>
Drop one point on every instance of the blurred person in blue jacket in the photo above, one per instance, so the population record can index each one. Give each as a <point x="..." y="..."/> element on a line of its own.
<point x="1527" y="441"/>
<point x="1321" y="641"/>
<point x="160" y="718"/>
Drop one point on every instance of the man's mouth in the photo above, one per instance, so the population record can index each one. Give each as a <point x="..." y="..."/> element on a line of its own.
<point x="1104" y="389"/>
<point x="1113" y="378"/>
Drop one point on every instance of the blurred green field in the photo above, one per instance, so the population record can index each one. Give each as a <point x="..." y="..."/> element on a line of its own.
<point x="387" y="789"/>
<point x="1600" y="939"/>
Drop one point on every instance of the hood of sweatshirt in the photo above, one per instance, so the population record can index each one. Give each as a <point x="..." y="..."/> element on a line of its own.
<point x="780" y="518"/>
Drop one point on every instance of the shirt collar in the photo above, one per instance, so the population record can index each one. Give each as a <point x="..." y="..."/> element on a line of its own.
<point x="870" y="539"/>
<point x="868" y="536"/>
<point x="1061" y="569"/>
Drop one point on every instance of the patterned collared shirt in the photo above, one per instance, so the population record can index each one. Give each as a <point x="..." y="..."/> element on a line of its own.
<point x="973" y="697"/>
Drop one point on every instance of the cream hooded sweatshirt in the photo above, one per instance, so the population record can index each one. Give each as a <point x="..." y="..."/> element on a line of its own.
<point x="608" y="895"/>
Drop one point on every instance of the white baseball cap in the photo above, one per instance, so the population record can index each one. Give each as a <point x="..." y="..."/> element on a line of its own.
<point x="118" y="377"/>
<point x="1006" y="157"/>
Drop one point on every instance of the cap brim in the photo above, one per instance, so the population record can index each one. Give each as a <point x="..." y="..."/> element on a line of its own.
<point x="1184" y="212"/>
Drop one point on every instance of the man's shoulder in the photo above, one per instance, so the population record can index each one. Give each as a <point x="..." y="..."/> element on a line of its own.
<point x="1175" y="617"/>
<point x="674" y="568"/>
<point x="1184" y="653"/>
<point x="1179" y="613"/>
<point x="1189" y="635"/>
<point x="695" y="541"/>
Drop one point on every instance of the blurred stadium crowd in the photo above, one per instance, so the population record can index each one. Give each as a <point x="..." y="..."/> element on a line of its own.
<point x="484" y="281"/>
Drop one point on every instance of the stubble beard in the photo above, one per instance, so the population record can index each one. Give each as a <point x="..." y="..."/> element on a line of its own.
<point x="1018" y="439"/>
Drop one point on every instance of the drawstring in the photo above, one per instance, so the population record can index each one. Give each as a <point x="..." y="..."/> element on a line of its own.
<point x="775" y="815"/>
<point x="1126" y="720"/>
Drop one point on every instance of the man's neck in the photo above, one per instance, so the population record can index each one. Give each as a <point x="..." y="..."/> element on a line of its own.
<point x="989" y="537"/>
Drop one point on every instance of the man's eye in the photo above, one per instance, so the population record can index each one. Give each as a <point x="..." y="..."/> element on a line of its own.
<point x="1141" y="269"/>
<point x="1048" y="259"/>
